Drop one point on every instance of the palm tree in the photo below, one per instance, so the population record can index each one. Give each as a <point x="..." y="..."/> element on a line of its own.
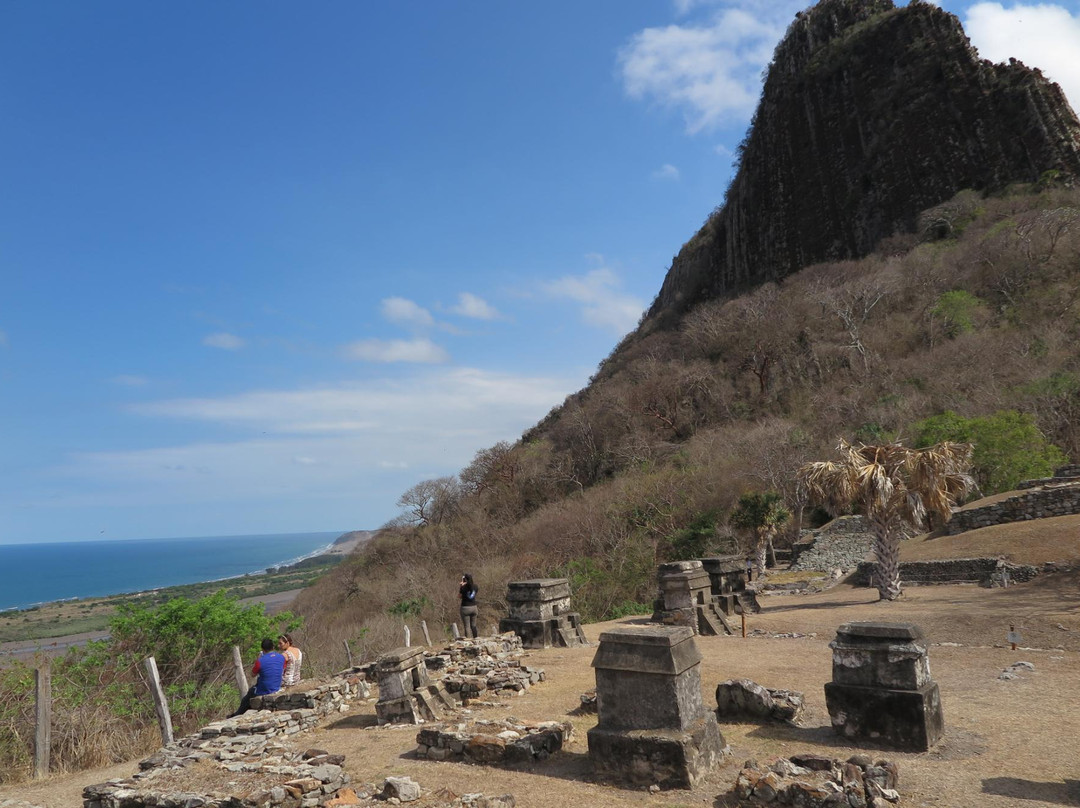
<point x="762" y="514"/>
<point x="893" y="486"/>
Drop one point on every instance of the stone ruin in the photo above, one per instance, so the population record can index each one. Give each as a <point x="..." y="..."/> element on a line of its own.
<point x="686" y="599"/>
<point x="881" y="689"/>
<point x="653" y="727"/>
<point x="406" y="694"/>
<point x="727" y="582"/>
<point x="494" y="742"/>
<point x="472" y="668"/>
<point x="813" y="781"/>
<point x="540" y="614"/>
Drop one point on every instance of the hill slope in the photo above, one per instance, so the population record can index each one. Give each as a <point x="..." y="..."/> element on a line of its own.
<point x="977" y="312"/>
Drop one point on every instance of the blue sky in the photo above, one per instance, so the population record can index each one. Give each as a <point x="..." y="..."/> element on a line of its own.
<point x="263" y="266"/>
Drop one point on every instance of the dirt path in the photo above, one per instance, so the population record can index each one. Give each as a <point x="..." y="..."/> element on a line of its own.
<point x="1007" y="743"/>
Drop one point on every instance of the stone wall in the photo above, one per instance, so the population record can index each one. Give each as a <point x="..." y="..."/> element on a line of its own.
<point x="322" y="698"/>
<point x="1037" y="503"/>
<point x="982" y="571"/>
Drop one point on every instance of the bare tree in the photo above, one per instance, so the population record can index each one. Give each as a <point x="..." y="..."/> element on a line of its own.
<point x="430" y="502"/>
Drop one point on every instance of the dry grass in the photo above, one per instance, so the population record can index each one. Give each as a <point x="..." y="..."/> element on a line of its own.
<point x="1035" y="542"/>
<point x="1007" y="743"/>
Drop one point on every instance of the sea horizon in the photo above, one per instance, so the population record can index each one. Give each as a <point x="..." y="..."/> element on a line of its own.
<point x="47" y="572"/>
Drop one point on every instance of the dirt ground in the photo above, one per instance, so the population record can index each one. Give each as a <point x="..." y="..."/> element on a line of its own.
<point x="1007" y="743"/>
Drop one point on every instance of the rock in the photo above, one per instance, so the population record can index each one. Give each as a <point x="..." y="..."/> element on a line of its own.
<point x="486" y="748"/>
<point x="815" y="763"/>
<point x="742" y="698"/>
<point x="345" y="797"/>
<point x="403" y="788"/>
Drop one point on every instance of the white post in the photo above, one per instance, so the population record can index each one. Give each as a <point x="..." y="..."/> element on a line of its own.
<point x="454" y="629"/>
<point x="238" y="671"/>
<point x="427" y="637"/>
<point x="160" y="704"/>
<point x="408" y="639"/>
<point x="348" y="652"/>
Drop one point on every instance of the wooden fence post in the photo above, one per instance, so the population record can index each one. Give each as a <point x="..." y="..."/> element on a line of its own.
<point x="238" y="671"/>
<point x="43" y="728"/>
<point x="427" y="637"/>
<point x="160" y="704"/>
<point x="348" y="652"/>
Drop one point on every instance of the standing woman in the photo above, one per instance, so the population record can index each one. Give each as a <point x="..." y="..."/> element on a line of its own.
<point x="467" y="590"/>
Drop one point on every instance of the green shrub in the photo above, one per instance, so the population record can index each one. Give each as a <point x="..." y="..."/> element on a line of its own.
<point x="1008" y="446"/>
<point x="410" y="607"/>
<point x="957" y="311"/>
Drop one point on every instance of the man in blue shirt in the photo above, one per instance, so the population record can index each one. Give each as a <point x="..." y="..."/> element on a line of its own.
<point x="268" y="668"/>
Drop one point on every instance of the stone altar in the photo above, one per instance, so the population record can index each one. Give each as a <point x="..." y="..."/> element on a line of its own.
<point x="406" y="694"/>
<point x="686" y="599"/>
<point x="881" y="689"/>
<point x="540" y="614"/>
<point x="653" y="727"/>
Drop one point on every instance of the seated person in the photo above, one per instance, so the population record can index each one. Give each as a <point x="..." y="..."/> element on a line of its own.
<point x="268" y="668"/>
<point x="293" y="658"/>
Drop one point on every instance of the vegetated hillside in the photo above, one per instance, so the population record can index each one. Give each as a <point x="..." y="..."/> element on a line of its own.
<point x="868" y="115"/>
<point x="644" y="464"/>
<point x="966" y="314"/>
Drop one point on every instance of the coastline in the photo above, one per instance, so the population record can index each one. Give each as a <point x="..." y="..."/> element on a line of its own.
<point x="274" y="601"/>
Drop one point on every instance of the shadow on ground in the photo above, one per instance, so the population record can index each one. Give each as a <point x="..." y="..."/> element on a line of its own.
<point x="355" y="722"/>
<point x="1063" y="793"/>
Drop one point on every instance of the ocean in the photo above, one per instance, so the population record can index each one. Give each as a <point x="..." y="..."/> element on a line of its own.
<point x="40" y="573"/>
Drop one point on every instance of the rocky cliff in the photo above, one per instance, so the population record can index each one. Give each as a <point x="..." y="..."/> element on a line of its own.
<point x="869" y="115"/>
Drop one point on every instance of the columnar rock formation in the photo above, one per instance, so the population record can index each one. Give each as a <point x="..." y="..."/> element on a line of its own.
<point x="869" y="115"/>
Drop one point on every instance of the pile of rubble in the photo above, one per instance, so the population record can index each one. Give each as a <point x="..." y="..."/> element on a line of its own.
<point x="471" y="667"/>
<point x="398" y="790"/>
<point x="243" y="773"/>
<point x="812" y="781"/>
<point x="238" y="762"/>
<point x="494" y="741"/>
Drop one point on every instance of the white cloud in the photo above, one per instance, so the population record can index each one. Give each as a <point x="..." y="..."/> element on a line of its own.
<point x="1044" y="35"/>
<point x="403" y="311"/>
<point x="602" y="303"/>
<point x="321" y="442"/>
<point x="224" y="340"/>
<point x="709" y="71"/>
<point x="666" y="172"/>
<point x="469" y="305"/>
<point x="422" y="351"/>
<point x="127" y="380"/>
